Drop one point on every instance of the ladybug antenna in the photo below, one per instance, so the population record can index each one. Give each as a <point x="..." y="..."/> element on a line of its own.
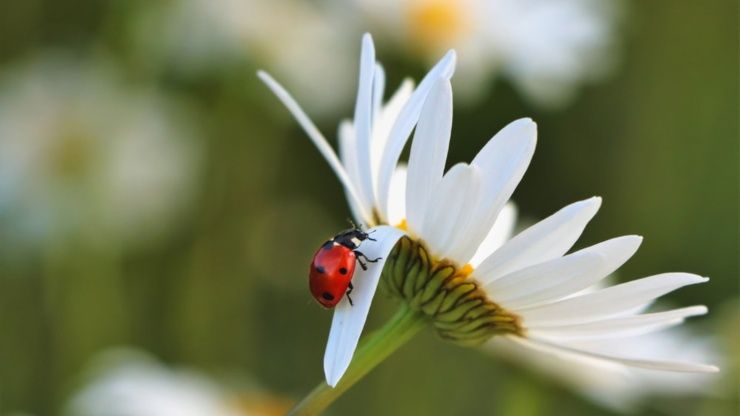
<point x="368" y="234"/>
<point x="352" y="223"/>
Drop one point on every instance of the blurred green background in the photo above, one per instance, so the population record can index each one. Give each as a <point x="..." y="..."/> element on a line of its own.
<point x="222" y="288"/>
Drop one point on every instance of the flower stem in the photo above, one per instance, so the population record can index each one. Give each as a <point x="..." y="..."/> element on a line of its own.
<point x="397" y="331"/>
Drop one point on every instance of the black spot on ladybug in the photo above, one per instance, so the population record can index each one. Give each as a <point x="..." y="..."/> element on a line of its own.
<point x="343" y="270"/>
<point x="327" y="296"/>
<point x="328" y="245"/>
<point x="320" y="269"/>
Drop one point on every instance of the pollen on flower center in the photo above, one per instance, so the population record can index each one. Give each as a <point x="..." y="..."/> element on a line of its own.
<point x="447" y="294"/>
<point x="466" y="270"/>
<point x="403" y="225"/>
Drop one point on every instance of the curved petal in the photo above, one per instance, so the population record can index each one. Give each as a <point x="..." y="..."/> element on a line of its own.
<point x="613" y="384"/>
<point x="652" y="364"/>
<point x="617" y="327"/>
<point x="318" y="140"/>
<point x="378" y="90"/>
<point x="546" y="240"/>
<point x="428" y="154"/>
<point x="406" y="121"/>
<point x="382" y="124"/>
<point x="499" y="234"/>
<point x="555" y="279"/>
<point x="447" y="208"/>
<point x="397" y="202"/>
<point x="348" y="156"/>
<point x="502" y="162"/>
<point x="363" y="119"/>
<point x="349" y="320"/>
<point x="608" y="302"/>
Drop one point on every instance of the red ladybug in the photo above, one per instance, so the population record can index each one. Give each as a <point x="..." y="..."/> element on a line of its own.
<point x="333" y="266"/>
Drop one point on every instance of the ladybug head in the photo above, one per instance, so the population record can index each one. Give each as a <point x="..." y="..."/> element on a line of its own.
<point x="352" y="237"/>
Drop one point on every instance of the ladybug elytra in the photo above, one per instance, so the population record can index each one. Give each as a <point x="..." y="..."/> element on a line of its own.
<point x="333" y="265"/>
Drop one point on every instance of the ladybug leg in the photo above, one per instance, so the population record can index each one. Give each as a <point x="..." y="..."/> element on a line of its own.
<point x="361" y="255"/>
<point x="349" y="290"/>
<point x="362" y="264"/>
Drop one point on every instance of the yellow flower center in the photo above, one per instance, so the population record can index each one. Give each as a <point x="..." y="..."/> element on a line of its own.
<point x="436" y="24"/>
<point x="72" y="152"/>
<point x="447" y="294"/>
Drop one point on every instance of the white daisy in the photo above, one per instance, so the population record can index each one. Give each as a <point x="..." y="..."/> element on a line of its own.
<point x="446" y="266"/>
<point x="546" y="47"/>
<point x="295" y="38"/>
<point x="81" y="151"/>
<point x="127" y="382"/>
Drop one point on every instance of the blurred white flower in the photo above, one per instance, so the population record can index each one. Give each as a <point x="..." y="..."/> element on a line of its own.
<point x="131" y="383"/>
<point x="83" y="152"/>
<point x="529" y="290"/>
<point x="139" y="389"/>
<point x="546" y="47"/>
<point x="295" y="39"/>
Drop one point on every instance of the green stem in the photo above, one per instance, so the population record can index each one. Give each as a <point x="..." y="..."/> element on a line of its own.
<point x="397" y="331"/>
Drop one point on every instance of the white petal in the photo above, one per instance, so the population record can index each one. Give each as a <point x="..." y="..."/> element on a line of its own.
<point x="397" y="201"/>
<point x="584" y="374"/>
<point x="348" y="156"/>
<point x="382" y="124"/>
<point x="500" y="233"/>
<point x="613" y="384"/>
<point x="363" y="119"/>
<point x="405" y="122"/>
<point x="502" y="163"/>
<point x="617" y="327"/>
<point x="447" y="208"/>
<point x="318" y="140"/>
<point x="546" y="240"/>
<point x="349" y="320"/>
<point x="378" y="90"/>
<point x="608" y="302"/>
<point x="563" y="276"/>
<point x="679" y="366"/>
<point x="428" y="153"/>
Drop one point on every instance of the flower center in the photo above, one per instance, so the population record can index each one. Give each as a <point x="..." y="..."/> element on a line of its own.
<point x="448" y="295"/>
<point x="71" y="154"/>
<point x="435" y="24"/>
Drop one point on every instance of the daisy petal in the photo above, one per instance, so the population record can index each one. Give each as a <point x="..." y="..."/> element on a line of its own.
<point x="382" y="124"/>
<point x="348" y="156"/>
<point x="563" y="276"/>
<point x="617" y="327"/>
<point x="406" y="121"/>
<point x="378" y="90"/>
<point x="349" y="320"/>
<point x="397" y="203"/>
<point x="363" y="119"/>
<point x="608" y="302"/>
<point x="546" y="240"/>
<point x="498" y="235"/>
<point x="502" y="163"/>
<point x="553" y="348"/>
<point x="318" y="140"/>
<point x="428" y="153"/>
<point x="447" y="207"/>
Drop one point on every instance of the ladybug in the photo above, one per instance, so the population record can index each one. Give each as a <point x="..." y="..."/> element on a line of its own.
<point x="333" y="265"/>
